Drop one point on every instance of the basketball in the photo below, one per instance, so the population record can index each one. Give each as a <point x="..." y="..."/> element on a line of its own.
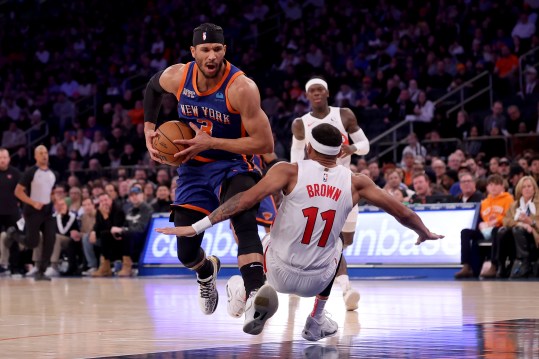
<point x="168" y="132"/>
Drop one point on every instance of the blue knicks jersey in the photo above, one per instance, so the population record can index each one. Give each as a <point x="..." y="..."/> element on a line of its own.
<point x="210" y="110"/>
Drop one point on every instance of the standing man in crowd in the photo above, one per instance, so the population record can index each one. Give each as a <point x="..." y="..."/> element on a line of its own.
<point x="345" y="121"/>
<point x="35" y="191"/>
<point x="9" y="208"/>
<point x="304" y="260"/>
<point x="222" y="106"/>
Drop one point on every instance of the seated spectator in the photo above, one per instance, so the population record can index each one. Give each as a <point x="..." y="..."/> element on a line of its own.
<point x="132" y="234"/>
<point x="495" y="120"/>
<point x="423" y="114"/>
<point x="108" y="216"/>
<point x="521" y="220"/>
<point x="87" y="222"/>
<point x="422" y="188"/>
<point x="493" y="210"/>
<point x="67" y="238"/>
<point x="376" y="175"/>
<point x="468" y="189"/>
<point x="13" y="137"/>
<point x="161" y="203"/>
<point x="414" y="147"/>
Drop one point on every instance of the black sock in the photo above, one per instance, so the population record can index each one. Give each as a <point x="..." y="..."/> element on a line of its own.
<point x="206" y="270"/>
<point x="253" y="276"/>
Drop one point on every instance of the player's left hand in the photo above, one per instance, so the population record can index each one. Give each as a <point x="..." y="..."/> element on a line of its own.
<point x="347" y="150"/>
<point x="201" y="142"/>
<point x="429" y="237"/>
<point x="185" y="231"/>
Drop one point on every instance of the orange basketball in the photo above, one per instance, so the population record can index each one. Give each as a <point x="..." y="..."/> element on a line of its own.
<point x="168" y="132"/>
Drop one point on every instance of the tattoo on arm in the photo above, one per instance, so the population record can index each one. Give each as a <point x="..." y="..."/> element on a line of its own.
<point x="228" y="209"/>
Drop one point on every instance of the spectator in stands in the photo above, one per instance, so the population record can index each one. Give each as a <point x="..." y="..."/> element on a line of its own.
<point x="87" y="222"/>
<point x="67" y="238"/>
<point x="454" y="162"/>
<point x="495" y="120"/>
<point x="414" y="147"/>
<point x="367" y="96"/>
<point x="14" y="137"/>
<point x="375" y="173"/>
<point x="82" y="144"/>
<point x="107" y="216"/>
<point x="515" y="174"/>
<point x="407" y="166"/>
<point x="75" y="201"/>
<point x="534" y="168"/>
<point x="132" y="233"/>
<point x="395" y="187"/>
<point x="149" y="191"/>
<point x="524" y="29"/>
<point x="439" y="168"/>
<point x="493" y="210"/>
<point x="422" y="188"/>
<point x="522" y="219"/>
<point x="162" y="201"/>
<point x="504" y="166"/>
<point x="423" y="113"/>
<point x="514" y="119"/>
<point x="530" y="83"/>
<point x="468" y="190"/>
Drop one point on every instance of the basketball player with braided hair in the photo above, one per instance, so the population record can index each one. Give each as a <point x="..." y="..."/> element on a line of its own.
<point x="222" y="106"/>
<point x="345" y="121"/>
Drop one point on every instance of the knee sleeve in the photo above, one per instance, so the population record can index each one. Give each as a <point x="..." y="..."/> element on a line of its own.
<point x="189" y="251"/>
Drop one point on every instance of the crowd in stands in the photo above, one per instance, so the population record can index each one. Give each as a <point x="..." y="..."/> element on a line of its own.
<point x="81" y="67"/>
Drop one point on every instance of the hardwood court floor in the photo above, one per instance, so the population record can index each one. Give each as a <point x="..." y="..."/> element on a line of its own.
<point x="82" y="318"/>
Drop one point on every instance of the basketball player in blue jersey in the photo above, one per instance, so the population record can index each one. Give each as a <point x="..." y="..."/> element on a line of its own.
<point x="345" y="121"/>
<point x="222" y="106"/>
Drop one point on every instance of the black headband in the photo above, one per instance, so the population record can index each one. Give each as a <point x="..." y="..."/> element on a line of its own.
<point x="207" y="36"/>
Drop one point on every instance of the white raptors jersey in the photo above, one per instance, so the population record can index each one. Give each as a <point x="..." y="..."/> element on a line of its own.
<point x="334" y="119"/>
<point x="310" y="218"/>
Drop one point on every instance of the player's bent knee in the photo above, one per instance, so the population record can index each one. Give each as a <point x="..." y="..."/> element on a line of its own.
<point x="189" y="258"/>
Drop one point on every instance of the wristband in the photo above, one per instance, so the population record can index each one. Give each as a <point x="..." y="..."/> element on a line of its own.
<point x="202" y="225"/>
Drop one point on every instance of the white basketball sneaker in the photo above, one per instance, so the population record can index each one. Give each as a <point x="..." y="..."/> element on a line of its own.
<point x="235" y="291"/>
<point x="260" y="306"/>
<point x="351" y="298"/>
<point x="208" y="295"/>
<point x="317" y="329"/>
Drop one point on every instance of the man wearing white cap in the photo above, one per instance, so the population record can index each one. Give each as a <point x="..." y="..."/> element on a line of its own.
<point x="345" y="121"/>
<point x="303" y="260"/>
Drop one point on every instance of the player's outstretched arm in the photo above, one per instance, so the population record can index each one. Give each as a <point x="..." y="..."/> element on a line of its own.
<point x="297" y="150"/>
<point x="277" y="178"/>
<point x="244" y="97"/>
<point x="365" y="187"/>
<point x="162" y="82"/>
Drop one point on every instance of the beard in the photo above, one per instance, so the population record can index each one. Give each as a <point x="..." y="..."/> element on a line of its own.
<point x="214" y="75"/>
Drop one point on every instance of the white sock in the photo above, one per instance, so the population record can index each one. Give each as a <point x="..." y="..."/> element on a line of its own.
<point x="318" y="310"/>
<point x="344" y="282"/>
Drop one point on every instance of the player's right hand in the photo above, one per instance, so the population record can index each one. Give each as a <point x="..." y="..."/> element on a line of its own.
<point x="429" y="236"/>
<point x="185" y="231"/>
<point x="149" y="135"/>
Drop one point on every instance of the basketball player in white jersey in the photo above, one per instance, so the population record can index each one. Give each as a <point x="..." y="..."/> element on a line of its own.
<point x="303" y="250"/>
<point x="345" y="121"/>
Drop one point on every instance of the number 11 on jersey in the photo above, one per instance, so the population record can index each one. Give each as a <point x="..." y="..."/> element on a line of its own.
<point x="311" y="214"/>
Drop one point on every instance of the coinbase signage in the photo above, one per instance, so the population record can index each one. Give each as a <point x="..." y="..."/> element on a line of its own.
<point x="379" y="238"/>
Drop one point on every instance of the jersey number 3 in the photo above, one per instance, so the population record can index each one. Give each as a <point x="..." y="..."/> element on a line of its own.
<point x="311" y="214"/>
